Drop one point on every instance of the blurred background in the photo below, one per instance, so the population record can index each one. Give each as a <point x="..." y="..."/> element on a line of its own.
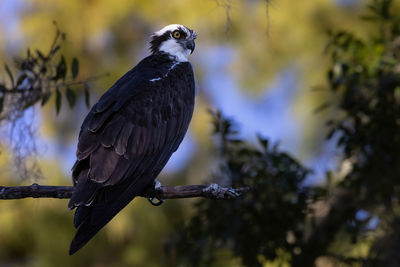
<point x="262" y="63"/>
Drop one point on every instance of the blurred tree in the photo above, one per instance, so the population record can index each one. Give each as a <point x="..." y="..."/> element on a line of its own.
<point x="37" y="77"/>
<point x="365" y="80"/>
<point x="268" y="222"/>
<point x="274" y="223"/>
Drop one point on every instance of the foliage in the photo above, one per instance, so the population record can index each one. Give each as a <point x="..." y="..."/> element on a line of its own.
<point x="39" y="76"/>
<point x="36" y="78"/>
<point x="271" y="222"/>
<point x="365" y="79"/>
<point x="267" y="222"/>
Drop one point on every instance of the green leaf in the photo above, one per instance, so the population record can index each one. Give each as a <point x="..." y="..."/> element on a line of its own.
<point x="75" y="68"/>
<point x="40" y="55"/>
<point x="71" y="97"/>
<point x="61" y="69"/>
<point x="58" y="100"/>
<point x="9" y="74"/>
<point x="55" y="49"/>
<point x="87" y="95"/>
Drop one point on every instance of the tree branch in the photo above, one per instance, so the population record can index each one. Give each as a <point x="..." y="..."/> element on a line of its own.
<point x="212" y="191"/>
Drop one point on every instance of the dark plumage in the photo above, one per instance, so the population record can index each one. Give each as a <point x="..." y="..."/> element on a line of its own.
<point x="131" y="132"/>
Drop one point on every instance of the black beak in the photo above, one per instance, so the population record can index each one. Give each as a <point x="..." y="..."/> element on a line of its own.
<point x="190" y="45"/>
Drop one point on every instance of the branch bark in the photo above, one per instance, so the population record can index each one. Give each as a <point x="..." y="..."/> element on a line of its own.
<point x="212" y="191"/>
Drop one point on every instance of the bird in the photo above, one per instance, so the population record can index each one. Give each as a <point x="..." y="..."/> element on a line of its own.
<point x="131" y="132"/>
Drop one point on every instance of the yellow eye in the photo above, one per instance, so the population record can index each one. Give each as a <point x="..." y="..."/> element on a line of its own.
<point x="177" y="35"/>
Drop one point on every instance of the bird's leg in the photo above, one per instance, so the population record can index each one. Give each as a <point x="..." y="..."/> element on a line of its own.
<point x="158" y="187"/>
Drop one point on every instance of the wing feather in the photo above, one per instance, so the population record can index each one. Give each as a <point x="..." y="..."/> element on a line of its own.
<point x="124" y="143"/>
<point x="98" y="119"/>
<point x="172" y="125"/>
<point x="88" y="142"/>
<point x="111" y="131"/>
<point x="141" y="146"/>
<point x="158" y="139"/>
<point x="120" y="170"/>
<point x="102" y="164"/>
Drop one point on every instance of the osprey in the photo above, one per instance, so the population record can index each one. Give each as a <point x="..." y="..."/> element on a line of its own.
<point x="132" y="131"/>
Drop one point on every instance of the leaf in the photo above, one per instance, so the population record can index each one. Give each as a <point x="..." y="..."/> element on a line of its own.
<point x="41" y="56"/>
<point x="9" y="74"/>
<point x="21" y="79"/>
<point x="87" y="95"/>
<point x="75" y="68"/>
<point x="61" y="69"/>
<point x="58" y="100"/>
<point x="45" y="98"/>
<point x="331" y="133"/>
<point x="71" y="97"/>
<point x="55" y="49"/>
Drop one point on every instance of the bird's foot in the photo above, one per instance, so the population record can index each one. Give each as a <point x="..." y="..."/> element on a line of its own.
<point x="158" y="201"/>
<point x="158" y="187"/>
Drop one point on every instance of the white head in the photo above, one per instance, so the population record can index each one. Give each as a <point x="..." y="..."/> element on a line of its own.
<point x="175" y="40"/>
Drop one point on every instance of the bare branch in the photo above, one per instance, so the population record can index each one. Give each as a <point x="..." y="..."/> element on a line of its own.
<point x="212" y="191"/>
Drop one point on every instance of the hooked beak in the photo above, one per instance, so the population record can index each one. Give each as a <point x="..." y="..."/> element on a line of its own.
<point x="190" y="45"/>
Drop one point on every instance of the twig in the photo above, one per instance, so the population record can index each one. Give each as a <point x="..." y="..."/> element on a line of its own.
<point x="212" y="191"/>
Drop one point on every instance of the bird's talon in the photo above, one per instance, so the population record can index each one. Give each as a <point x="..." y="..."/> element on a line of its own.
<point x="151" y="200"/>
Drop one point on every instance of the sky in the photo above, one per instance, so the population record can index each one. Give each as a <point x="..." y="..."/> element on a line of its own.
<point x="9" y="22"/>
<point x="269" y="114"/>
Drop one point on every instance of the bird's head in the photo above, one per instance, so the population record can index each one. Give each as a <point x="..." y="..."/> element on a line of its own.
<point x="175" y="39"/>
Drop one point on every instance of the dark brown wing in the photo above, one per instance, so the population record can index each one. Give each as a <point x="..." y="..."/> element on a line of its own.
<point x="125" y="143"/>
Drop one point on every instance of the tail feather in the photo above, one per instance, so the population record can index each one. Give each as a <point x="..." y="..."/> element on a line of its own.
<point x="90" y="219"/>
<point x="85" y="232"/>
<point x="85" y="191"/>
<point x="81" y="214"/>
